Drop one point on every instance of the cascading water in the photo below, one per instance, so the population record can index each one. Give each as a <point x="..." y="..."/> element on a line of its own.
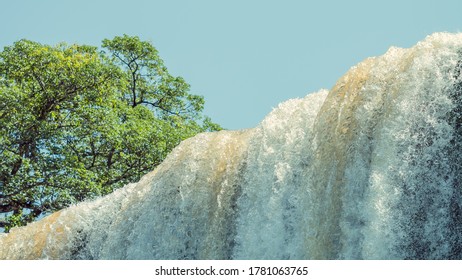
<point x="369" y="170"/>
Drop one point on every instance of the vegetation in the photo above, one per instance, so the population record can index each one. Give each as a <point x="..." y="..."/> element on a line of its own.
<point x="77" y="122"/>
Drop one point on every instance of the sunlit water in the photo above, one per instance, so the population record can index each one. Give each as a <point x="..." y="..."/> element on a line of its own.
<point x="368" y="170"/>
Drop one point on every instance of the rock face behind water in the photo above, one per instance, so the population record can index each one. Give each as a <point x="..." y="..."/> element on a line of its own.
<point x="368" y="170"/>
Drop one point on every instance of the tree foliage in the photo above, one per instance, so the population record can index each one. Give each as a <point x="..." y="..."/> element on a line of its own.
<point x="77" y="122"/>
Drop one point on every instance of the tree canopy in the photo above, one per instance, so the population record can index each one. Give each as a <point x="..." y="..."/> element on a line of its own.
<point x="77" y="122"/>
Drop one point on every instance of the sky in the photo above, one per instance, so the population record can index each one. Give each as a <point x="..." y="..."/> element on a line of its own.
<point x="243" y="56"/>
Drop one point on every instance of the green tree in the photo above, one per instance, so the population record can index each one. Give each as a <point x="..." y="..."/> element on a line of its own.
<point x="148" y="83"/>
<point x="76" y="123"/>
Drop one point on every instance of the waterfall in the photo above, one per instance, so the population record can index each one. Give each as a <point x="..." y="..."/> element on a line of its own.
<point x="370" y="169"/>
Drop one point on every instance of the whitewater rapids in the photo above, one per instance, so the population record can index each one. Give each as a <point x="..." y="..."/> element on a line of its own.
<point x="370" y="169"/>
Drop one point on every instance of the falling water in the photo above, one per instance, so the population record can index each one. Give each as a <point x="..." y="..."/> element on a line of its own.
<point x="368" y="170"/>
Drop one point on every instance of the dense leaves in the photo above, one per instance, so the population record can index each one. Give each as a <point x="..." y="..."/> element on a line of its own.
<point x="76" y="122"/>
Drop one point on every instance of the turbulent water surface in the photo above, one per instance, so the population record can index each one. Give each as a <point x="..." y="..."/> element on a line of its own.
<point x="368" y="170"/>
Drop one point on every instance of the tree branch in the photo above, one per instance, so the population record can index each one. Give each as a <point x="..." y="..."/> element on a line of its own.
<point x="157" y="105"/>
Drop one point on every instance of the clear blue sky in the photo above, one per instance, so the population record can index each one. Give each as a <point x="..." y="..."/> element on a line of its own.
<point x="243" y="56"/>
